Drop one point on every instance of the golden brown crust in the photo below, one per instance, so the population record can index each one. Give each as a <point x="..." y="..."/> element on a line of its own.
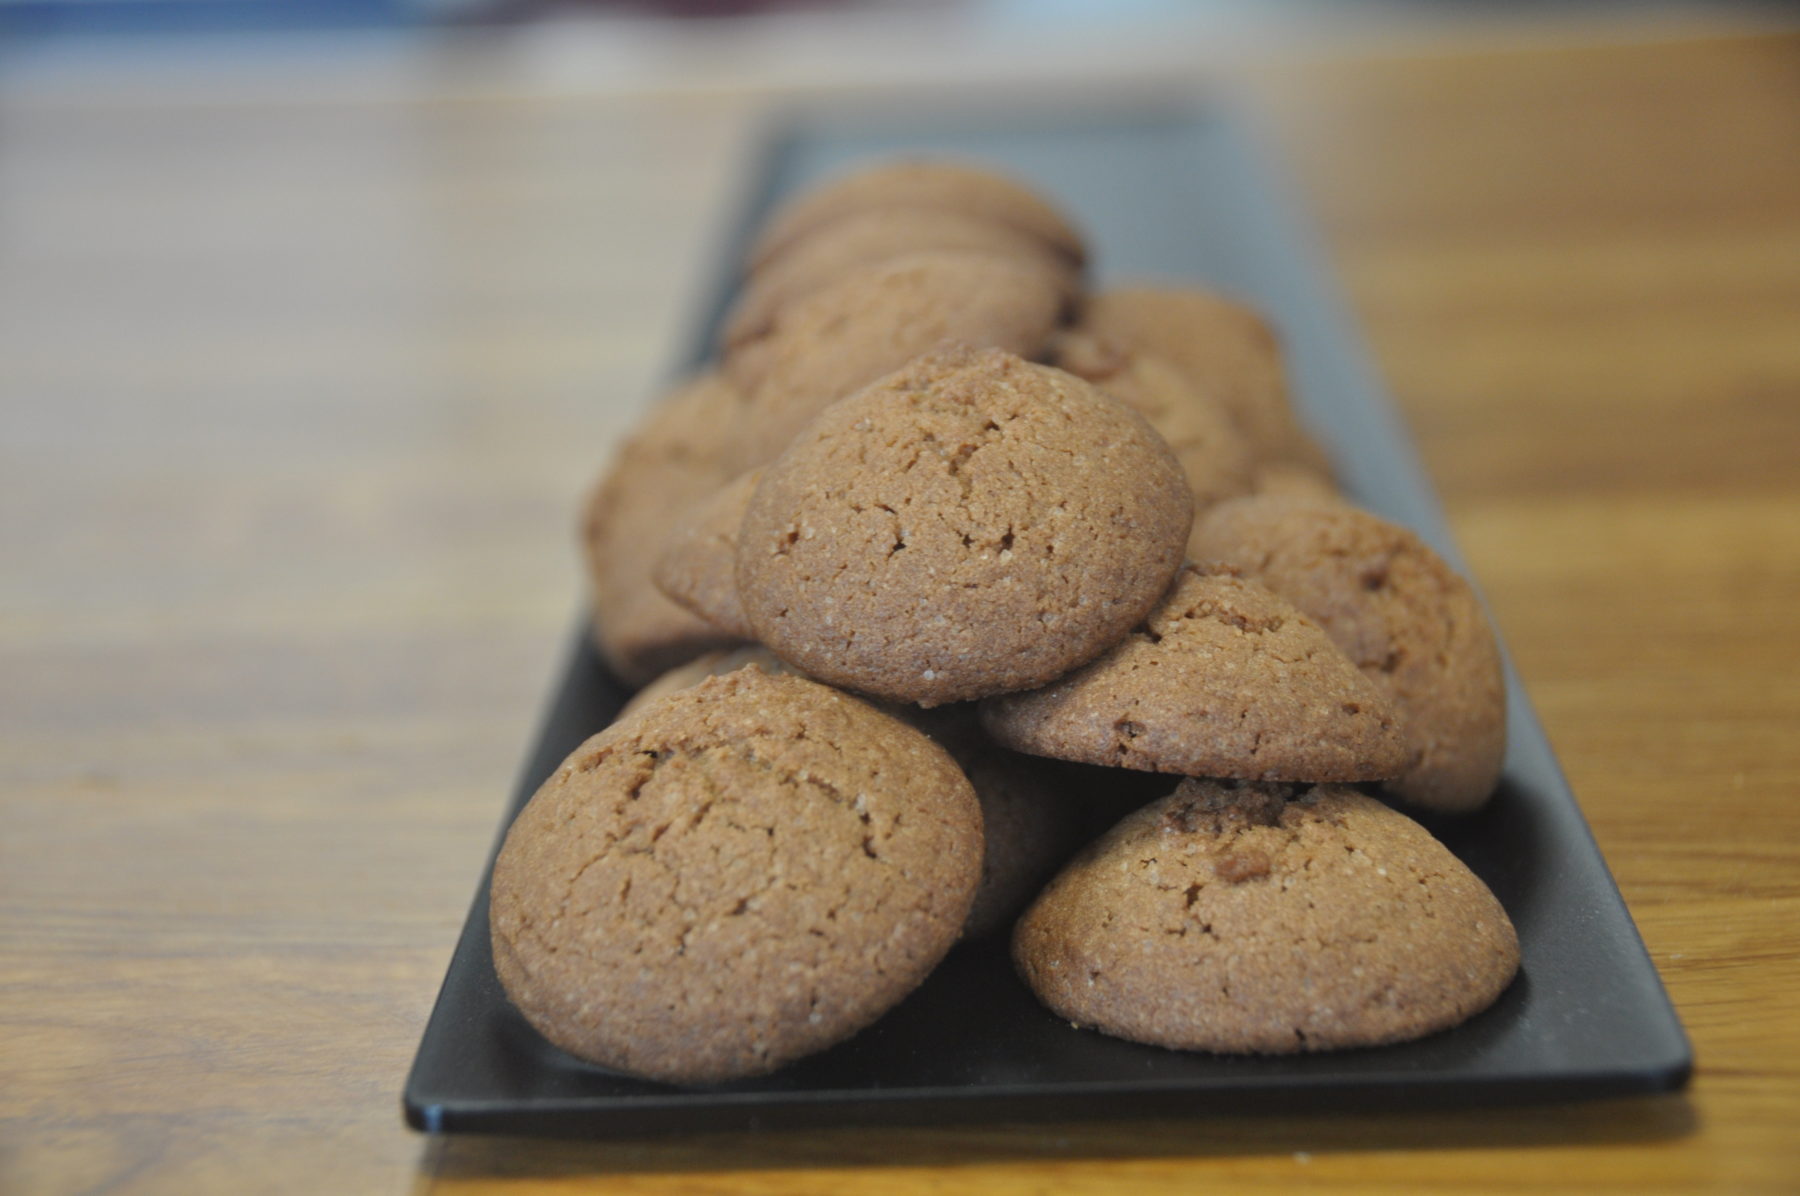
<point x="741" y="874"/>
<point x="969" y="525"/>
<point x="1223" y="679"/>
<point x="1266" y="919"/>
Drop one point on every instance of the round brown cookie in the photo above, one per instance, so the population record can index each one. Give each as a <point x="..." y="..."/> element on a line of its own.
<point x="1232" y="919"/>
<point x="1224" y="350"/>
<point x="1409" y="622"/>
<point x="674" y="457"/>
<point x="874" y="320"/>
<point x="697" y="569"/>
<point x="871" y="237"/>
<point x="742" y="874"/>
<point x="968" y="525"/>
<point x="1223" y="679"/>
<point x="932" y="183"/>
<point x="1214" y="455"/>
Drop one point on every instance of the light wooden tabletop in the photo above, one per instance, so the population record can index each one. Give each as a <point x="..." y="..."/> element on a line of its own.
<point x="297" y="400"/>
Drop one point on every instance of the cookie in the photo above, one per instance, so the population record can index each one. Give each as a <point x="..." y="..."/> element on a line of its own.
<point x="968" y="525"/>
<point x="1215" y="456"/>
<point x="745" y="873"/>
<point x="674" y="458"/>
<point x="1235" y="920"/>
<point x="716" y="663"/>
<point x="871" y="237"/>
<point x="1224" y="349"/>
<point x="1402" y="614"/>
<point x="874" y="320"/>
<point x="935" y="184"/>
<point x="697" y="569"/>
<point x="1223" y="679"/>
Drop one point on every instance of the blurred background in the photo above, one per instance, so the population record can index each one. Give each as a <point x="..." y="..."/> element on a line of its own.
<point x="600" y="45"/>
<point x="317" y="317"/>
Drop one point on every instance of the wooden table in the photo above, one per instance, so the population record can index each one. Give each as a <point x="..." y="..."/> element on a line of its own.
<point x="298" y="397"/>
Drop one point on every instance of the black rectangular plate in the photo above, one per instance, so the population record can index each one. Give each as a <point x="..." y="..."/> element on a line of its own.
<point x="1170" y="190"/>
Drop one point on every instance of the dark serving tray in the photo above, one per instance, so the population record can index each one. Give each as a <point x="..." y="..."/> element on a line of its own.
<point x="1171" y="190"/>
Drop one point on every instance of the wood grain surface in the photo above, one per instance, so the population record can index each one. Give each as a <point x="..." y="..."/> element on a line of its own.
<point x="298" y="398"/>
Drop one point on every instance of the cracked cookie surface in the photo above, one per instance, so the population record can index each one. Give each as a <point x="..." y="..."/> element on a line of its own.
<point x="743" y="873"/>
<point x="1266" y="919"/>
<point x="1394" y="606"/>
<point x="1030" y="819"/>
<point x="1223" y="679"/>
<point x="968" y="525"/>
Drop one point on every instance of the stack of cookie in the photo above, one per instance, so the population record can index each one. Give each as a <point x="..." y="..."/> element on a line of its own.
<point x="942" y="556"/>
